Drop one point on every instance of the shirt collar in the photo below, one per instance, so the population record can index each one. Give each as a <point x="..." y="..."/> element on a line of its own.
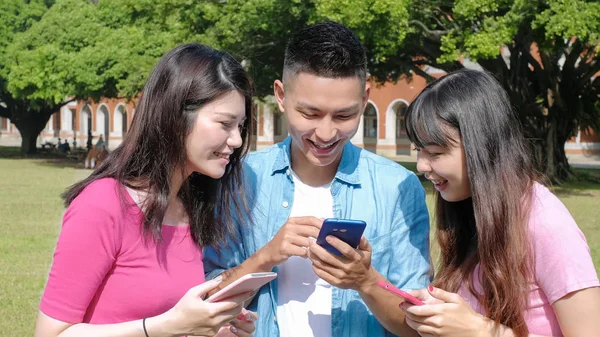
<point x="347" y="170"/>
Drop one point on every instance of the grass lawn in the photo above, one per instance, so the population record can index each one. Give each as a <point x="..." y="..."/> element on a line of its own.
<point x="31" y="210"/>
<point x="30" y="215"/>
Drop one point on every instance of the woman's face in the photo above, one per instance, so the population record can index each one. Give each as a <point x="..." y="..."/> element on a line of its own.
<point x="446" y="168"/>
<point x="215" y="135"/>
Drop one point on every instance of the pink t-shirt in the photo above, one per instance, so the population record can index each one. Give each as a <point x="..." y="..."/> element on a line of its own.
<point x="105" y="272"/>
<point x="563" y="263"/>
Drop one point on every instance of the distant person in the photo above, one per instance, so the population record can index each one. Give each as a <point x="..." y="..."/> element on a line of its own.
<point x="64" y="146"/>
<point x="128" y="261"/>
<point x="100" y="144"/>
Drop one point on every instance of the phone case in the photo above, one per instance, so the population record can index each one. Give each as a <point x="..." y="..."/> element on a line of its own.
<point x="349" y="231"/>
<point x="245" y="284"/>
<point x="410" y="298"/>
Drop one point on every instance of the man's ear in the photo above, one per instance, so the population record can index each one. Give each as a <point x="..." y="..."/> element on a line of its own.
<point x="365" y="98"/>
<point x="279" y="94"/>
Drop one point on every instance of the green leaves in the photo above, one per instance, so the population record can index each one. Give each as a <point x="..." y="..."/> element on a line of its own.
<point x="78" y="48"/>
<point x="569" y="18"/>
<point x="85" y="50"/>
<point x="381" y="24"/>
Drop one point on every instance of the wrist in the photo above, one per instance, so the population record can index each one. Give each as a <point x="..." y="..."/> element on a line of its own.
<point x="369" y="282"/>
<point x="163" y="325"/>
<point x="492" y="329"/>
<point x="262" y="261"/>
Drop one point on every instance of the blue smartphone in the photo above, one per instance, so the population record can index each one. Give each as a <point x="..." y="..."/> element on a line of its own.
<point x="349" y="231"/>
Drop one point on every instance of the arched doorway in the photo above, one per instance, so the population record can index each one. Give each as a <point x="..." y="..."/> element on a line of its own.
<point x="102" y="123"/>
<point x="403" y="145"/>
<point x="370" y="127"/>
<point x="280" y="130"/>
<point x="120" y="121"/>
<point x="85" y="125"/>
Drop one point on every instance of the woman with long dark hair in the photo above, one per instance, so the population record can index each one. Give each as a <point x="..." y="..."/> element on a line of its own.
<point x="128" y="261"/>
<point x="513" y="261"/>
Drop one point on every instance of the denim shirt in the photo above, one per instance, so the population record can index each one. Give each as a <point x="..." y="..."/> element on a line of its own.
<point x="366" y="187"/>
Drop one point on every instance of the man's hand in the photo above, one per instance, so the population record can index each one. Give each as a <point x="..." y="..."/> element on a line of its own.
<point x="292" y="239"/>
<point x="352" y="270"/>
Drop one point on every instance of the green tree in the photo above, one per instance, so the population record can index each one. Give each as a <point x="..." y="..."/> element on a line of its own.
<point x="17" y="16"/>
<point x="80" y="50"/>
<point x="548" y="63"/>
<point x="544" y="52"/>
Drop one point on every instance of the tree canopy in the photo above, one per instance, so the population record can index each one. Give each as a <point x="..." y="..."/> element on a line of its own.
<point x="544" y="52"/>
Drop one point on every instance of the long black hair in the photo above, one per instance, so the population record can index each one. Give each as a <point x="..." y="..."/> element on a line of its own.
<point x="185" y="79"/>
<point x="490" y="228"/>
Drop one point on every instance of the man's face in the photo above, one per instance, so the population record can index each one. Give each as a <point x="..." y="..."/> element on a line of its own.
<point x="323" y="114"/>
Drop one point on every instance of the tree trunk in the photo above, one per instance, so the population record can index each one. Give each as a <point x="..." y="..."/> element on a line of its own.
<point x="30" y="123"/>
<point x="30" y="118"/>
<point x="556" y="165"/>
<point x="30" y="130"/>
<point x="28" y="141"/>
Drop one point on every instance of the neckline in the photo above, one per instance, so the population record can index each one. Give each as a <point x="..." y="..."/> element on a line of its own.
<point x="298" y="180"/>
<point x="164" y="227"/>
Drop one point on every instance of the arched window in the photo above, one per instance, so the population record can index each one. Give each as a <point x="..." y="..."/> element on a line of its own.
<point x="370" y="123"/>
<point x="85" y="120"/>
<point x="120" y="122"/>
<point x="400" y="111"/>
<point x="277" y="123"/>
<point x="102" y="123"/>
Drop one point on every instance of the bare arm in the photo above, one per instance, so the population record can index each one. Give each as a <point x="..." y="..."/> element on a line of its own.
<point x="47" y="326"/>
<point x="448" y="314"/>
<point x="190" y="316"/>
<point x="292" y="239"/>
<point x="385" y="307"/>
<point x="578" y="314"/>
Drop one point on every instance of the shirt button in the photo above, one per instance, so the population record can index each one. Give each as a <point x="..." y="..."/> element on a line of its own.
<point x="275" y="318"/>
<point x="285" y="204"/>
<point x="287" y="172"/>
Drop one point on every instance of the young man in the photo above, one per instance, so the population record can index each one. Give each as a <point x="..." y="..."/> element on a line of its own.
<point x="317" y="173"/>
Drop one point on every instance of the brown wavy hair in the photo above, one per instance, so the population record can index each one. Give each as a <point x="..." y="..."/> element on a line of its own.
<point x="490" y="228"/>
<point x="185" y="79"/>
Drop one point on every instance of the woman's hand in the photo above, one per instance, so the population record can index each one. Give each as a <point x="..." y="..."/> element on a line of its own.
<point x="241" y="326"/>
<point x="193" y="316"/>
<point x="443" y="314"/>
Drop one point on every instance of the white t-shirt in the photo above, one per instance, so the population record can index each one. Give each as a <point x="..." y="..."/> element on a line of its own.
<point x="303" y="298"/>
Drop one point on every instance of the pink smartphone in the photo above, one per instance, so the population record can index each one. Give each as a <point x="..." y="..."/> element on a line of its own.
<point x="410" y="298"/>
<point x="245" y="284"/>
